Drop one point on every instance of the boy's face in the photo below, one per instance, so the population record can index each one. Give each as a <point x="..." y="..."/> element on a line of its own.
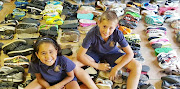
<point x="107" y="28"/>
<point x="47" y="54"/>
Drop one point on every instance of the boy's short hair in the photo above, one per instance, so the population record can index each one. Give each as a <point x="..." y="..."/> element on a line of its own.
<point x="109" y="15"/>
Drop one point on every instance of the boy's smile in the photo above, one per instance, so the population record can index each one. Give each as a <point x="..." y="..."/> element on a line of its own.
<point x="106" y="28"/>
<point x="47" y="54"/>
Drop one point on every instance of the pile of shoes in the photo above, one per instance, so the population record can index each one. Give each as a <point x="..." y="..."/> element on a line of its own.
<point x="17" y="47"/>
<point x="132" y="15"/>
<point x="52" y="12"/>
<point x="21" y="4"/>
<point x="7" y="29"/>
<point x="170" y="82"/>
<point x="12" y="74"/>
<point x="17" y="61"/>
<point x="166" y="56"/>
<point x="69" y="10"/>
<point x="134" y="42"/>
<point x="49" y="30"/>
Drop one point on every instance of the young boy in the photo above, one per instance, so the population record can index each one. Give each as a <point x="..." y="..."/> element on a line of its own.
<point x="100" y="44"/>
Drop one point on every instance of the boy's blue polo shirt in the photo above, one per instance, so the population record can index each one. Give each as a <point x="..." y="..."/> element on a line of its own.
<point x="55" y="73"/>
<point x="96" y="43"/>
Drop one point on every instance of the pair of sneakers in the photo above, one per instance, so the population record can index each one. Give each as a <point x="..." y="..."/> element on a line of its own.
<point x="8" y="85"/>
<point x="16" y="61"/>
<point x="134" y="38"/>
<point x="167" y="60"/>
<point x="49" y="30"/>
<point x="17" y="47"/>
<point x="70" y="35"/>
<point x="27" y="28"/>
<point x="104" y="84"/>
<point x="154" y="20"/>
<point x="11" y="74"/>
<point x="129" y="21"/>
<point x="7" y="32"/>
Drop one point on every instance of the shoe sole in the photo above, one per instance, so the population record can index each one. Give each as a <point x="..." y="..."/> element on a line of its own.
<point x="12" y="43"/>
<point x="21" y="52"/>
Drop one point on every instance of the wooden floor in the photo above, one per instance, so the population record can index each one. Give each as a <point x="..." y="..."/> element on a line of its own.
<point x="146" y="50"/>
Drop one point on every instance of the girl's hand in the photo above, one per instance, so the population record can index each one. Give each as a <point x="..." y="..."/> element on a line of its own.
<point x="103" y="66"/>
<point x="113" y="73"/>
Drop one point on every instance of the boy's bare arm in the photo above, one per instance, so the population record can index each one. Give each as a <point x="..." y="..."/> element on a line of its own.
<point x="126" y="58"/>
<point x="86" y="60"/>
<point x="41" y="80"/>
<point x="122" y="62"/>
<point x="82" y="57"/>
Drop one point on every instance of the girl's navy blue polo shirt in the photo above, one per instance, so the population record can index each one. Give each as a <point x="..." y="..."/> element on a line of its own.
<point x="94" y="42"/>
<point x="55" y="73"/>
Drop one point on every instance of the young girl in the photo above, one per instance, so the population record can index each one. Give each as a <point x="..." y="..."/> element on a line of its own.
<point x="52" y="70"/>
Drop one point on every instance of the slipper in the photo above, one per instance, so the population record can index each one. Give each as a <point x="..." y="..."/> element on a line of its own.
<point x="171" y="78"/>
<point x="171" y="71"/>
<point x="87" y="21"/>
<point x="147" y="86"/>
<point x="85" y="16"/>
<point x="125" y="30"/>
<point x="156" y="45"/>
<point x="144" y="77"/>
<point x="159" y="50"/>
<point x="156" y="27"/>
<point x="145" y="68"/>
<point x="140" y="59"/>
<point x="67" y="51"/>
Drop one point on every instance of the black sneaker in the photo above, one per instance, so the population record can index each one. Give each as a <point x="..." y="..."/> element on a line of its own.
<point x="8" y="85"/>
<point x="10" y="23"/>
<point x="1" y="44"/>
<point x="27" y="28"/>
<point x="12" y="45"/>
<point x="23" y="50"/>
<point x="6" y="36"/>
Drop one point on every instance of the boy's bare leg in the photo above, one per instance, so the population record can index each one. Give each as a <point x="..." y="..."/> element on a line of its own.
<point x="134" y="75"/>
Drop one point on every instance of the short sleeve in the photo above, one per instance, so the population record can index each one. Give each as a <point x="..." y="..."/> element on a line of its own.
<point x="87" y="41"/>
<point x="33" y="68"/>
<point x="121" y="39"/>
<point x="69" y="64"/>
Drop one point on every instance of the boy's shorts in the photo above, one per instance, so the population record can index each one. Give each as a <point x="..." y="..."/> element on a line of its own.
<point x="109" y="58"/>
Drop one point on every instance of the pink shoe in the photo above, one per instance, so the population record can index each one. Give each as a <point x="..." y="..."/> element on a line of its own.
<point x="163" y="9"/>
<point x="86" y="22"/>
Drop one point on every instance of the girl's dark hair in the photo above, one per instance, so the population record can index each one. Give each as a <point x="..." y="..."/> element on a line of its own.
<point x="41" y="40"/>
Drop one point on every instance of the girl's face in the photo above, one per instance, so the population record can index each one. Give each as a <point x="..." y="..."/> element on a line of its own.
<point x="107" y="28"/>
<point x="47" y="53"/>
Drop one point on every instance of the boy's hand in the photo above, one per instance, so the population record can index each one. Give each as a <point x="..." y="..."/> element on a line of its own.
<point x="103" y="66"/>
<point x="113" y="73"/>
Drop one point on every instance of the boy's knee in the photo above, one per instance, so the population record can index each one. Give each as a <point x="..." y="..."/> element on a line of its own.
<point x="78" y="63"/>
<point x="136" y="65"/>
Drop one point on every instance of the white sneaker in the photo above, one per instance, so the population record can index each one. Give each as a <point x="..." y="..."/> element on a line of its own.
<point x="119" y="11"/>
<point x="104" y="84"/>
<point x="16" y="77"/>
<point x="91" y="70"/>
